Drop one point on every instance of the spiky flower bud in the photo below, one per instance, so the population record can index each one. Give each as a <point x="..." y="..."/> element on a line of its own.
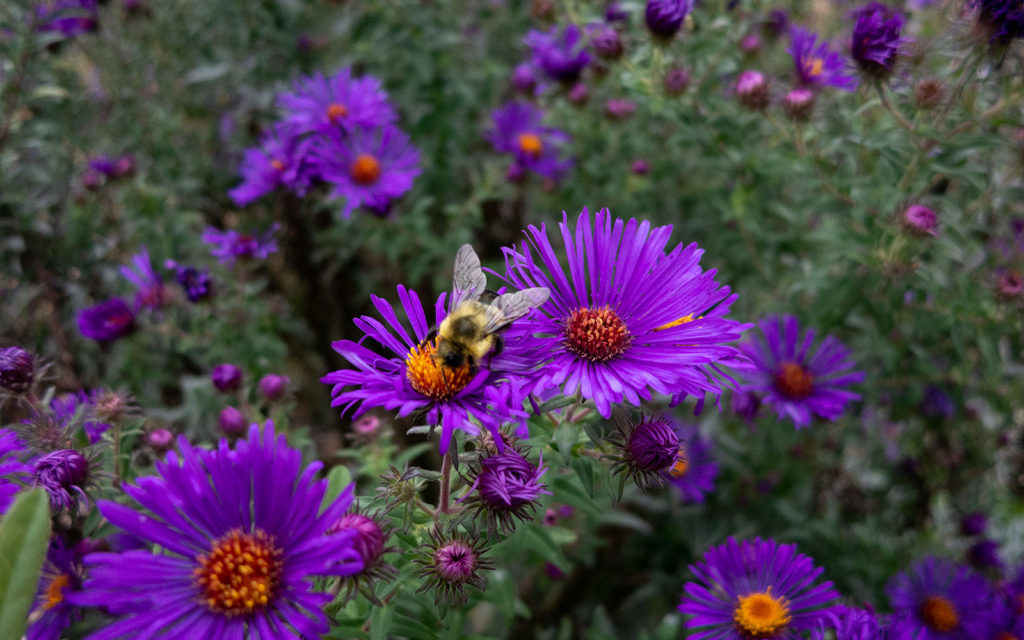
<point x="160" y="440"/>
<point x="920" y="220"/>
<point x="798" y="104"/>
<point x="928" y="94"/>
<point x="506" y="487"/>
<point x="17" y="371"/>
<point x="450" y="562"/>
<point x="648" y="448"/>
<point x="752" y="90"/>
<point x="63" y="474"/>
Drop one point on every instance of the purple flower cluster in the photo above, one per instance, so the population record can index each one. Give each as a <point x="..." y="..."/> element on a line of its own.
<point x="230" y="246"/>
<point x="339" y="130"/>
<point x="534" y="147"/>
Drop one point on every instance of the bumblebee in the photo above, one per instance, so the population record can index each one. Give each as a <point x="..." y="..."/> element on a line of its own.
<point x="472" y="329"/>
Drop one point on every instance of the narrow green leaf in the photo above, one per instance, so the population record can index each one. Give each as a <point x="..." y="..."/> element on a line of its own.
<point x="24" y="535"/>
<point x="337" y="479"/>
<point x="380" y="622"/>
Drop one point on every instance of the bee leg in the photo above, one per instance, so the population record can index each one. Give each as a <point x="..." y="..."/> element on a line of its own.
<point x="499" y="346"/>
<point x="430" y="336"/>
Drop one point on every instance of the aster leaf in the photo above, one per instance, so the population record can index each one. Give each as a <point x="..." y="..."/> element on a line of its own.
<point x="380" y="622"/>
<point x="565" y="437"/>
<point x="337" y="479"/>
<point x="24" y="534"/>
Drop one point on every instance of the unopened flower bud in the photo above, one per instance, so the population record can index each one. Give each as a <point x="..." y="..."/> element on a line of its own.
<point x="226" y="377"/>
<point x="160" y="440"/>
<point x="664" y="18"/>
<point x="606" y="42"/>
<point x="232" y="422"/>
<point x="752" y="90"/>
<point x="523" y="79"/>
<point x="928" y="94"/>
<point x="579" y="94"/>
<point x="273" y="386"/>
<point x="920" y="220"/>
<point x="798" y="104"/>
<point x="17" y="370"/>
<point x="676" y="81"/>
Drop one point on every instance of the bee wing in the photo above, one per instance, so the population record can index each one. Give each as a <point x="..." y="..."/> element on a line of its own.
<point x="509" y="307"/>
<point x="468" y="279"/>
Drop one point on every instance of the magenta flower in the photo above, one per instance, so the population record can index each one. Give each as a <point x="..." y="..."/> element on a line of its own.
<point x="560" y="52"/>
<point x="367" y="167"/>
<point x="816" y="64"/>
<point x="231" y="245"/>
<point x="149" y="285"/>
<point x="280" y="161"/>
<point x="340" y="102"/>
<point x="107" y="321"/>
<point x="534" y="147"/>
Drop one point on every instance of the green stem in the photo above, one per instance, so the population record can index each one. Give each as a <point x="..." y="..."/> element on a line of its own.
<point x="446" y="478"/>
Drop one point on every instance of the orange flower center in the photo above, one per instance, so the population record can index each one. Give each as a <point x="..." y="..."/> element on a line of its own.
<point x="277" y="164"/>
<point x="531" y="144"/>
<point x="761" y="615"/>
<point x="814" y="67"/>
<point x="681" y="466"/>
<point x="597" y="335"/>
<point x="366" y="169"/>
<point x="938" y="613"/>
<point x="336" y="112"/>
<point x="794" y="381"/>
<point x="55" y="591"/>
<point x="241" y="574"/>
<point x="432" y="379"/>
<point x="1005" y="635"/>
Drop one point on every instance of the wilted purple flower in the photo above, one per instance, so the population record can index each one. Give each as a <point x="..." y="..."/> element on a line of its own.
<point x="817" y="65"/>
<point x="507" y="486"/>
<point x="367" y="167"/>
<point x="795" y="378"/>
<point x="195" y="281"/>
<point x="280" y="161"/>
<point x="63" y="474"/>
<point x="67" y="17"/>
<point x="17" y="371"/>
<point x="523" y="79"/>
<point x="340" y="102"/>
<point x="226" y="377"/>
<point x="756" y="589"/>
<point x="450" y="562"/>
<point x="107" y="320"/>
<point x="560" y="53"/>
<point x="241" y="533"/>
<point x="13" y="472"/>
<point x="273" y="387"/>
<point x="606" y="42"/>
<point x="149" y="286"/>
<point x="920" y="220"/>
<point x="876" y="39"/>
<point x="798" y="104"/>
<point x="231" y="245"/>
<point x="940" y="600"/>
<point x="694" y="471"/>
<point x="534" y="147"/>
<point x="1003" y="20"/>
<point x="665" y="17"/>
<point x="619" y="108"/>
<point x="635" y="327"/>
<point x="1010" y="285"/>
<point x="752" y="90"/>
<point x="973" y="524"/>
<point x="53" y="609"/>
<point x="928" y="93"/>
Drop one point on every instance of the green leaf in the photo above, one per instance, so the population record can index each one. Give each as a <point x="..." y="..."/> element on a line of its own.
<point x="24" y="535"/>
<point x="380" y="622"/>
<point x="565" y="437"/>
<point x="337" y="479"/>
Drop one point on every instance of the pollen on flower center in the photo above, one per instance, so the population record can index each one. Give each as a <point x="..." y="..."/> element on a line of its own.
<point x="432" y="379"/>
<point x="365" y="169"/>
<point x="794" y="381"/>
<point x="814" y="67"/>
<point x="761" y="615"/>
<point x="55" y="591"/>
<point x="675" y="323"/>
<point x="938" y="613"/>
<point x="681" y="466"/>
<point x="278" y="165"/>
<point x="531" y="144"/>
<point x="336" y="112"/>
<point x="597" y="335"/>
<point x="241" y="574"/>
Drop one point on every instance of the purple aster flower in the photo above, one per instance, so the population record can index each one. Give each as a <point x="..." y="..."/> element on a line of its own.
<point x="694" y="471"/>
<point x="281" y="160"/>
<point x="150" y="292"/>
<point x="639" y="167"/>
<point x="518" y="130"/>
<point x="54" y="608"/>
<point x="796" y="378"/>
<point x="195" y="281"/>
<point x="231" y="245"/>
<point x="756" y="589"/>
<point x="107" y="320"/>
<point x="876" y="39"/>
<point x="817" y="65"/>
<point x="450" y="562"/>
<point x="367" y="167"/>
<point x="242" y="532"/>
<point x="940" y="600"/>
<point x="628" y="318"/>
<point x="665" y="17"/>
<point x="507" y="486"/>
<point x="67" y="17"/>
<point x="17" y="371"/>
<point x="226" y="377"/>
<point x="13" y="472"/>
<point x="410" y="379"/>
<point x="560" y="53"/>
<point x="1003" y="20"/>
<point x="340" y="102"/>
<point x="64" y="474"/>
<point x="850" y="624"/>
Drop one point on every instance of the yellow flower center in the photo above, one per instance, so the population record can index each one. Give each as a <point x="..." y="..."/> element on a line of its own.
<point x="814" y="67"/>
<point x="241" y="574"/>
<point x="597" y="335"/>
<point x="761" y="615"/>
<point x="55" y="591"/>
<point x="336" y="112"/>
<point x="681" y="466"/>
<point x="432" y="379"/>
<point x="794" y="381"/>
<point x="277" y="164"/>
<point x="938" y="613"/>
<point x="530" y="143"/>
<point x="365" y="169"/>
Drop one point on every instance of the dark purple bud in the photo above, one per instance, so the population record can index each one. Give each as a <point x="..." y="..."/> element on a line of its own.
<point x="676" y="81"/>
<point x="640" y="167"/>
<point x="516" y="173"/>
<point x="579" y="94"/>
<point x="876" y="39"/>
<point x="615" y="13"/>
<point x="232" y="422"/>
<point x="606" y="42"/>
<point x="652" y="446"/>
<point x="273" y="386"/>
<point x="369" y="537"/>
<point x="984" y="554"/>
<point x="508" y="481"/>
<point x="226" y="377"/>
<point x="160" y="440"/>
<point x="17" y="371"/>
<point x="777" y="23"/>
<point x="619" y="109"/>
<point x="920" y="220"/>
<point x="455" y="561"/>
<point x="973" y="524"/>
<point x="107" y="321"/>
<point x="799" y="104"/>
<point x="745" y="405"/>
<point x="523" y="79"/>
<point x="665" y="17"/>
<point x="62" y="474"/>
<point x="104" y="165"/>
<point x="752" y="90"/>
